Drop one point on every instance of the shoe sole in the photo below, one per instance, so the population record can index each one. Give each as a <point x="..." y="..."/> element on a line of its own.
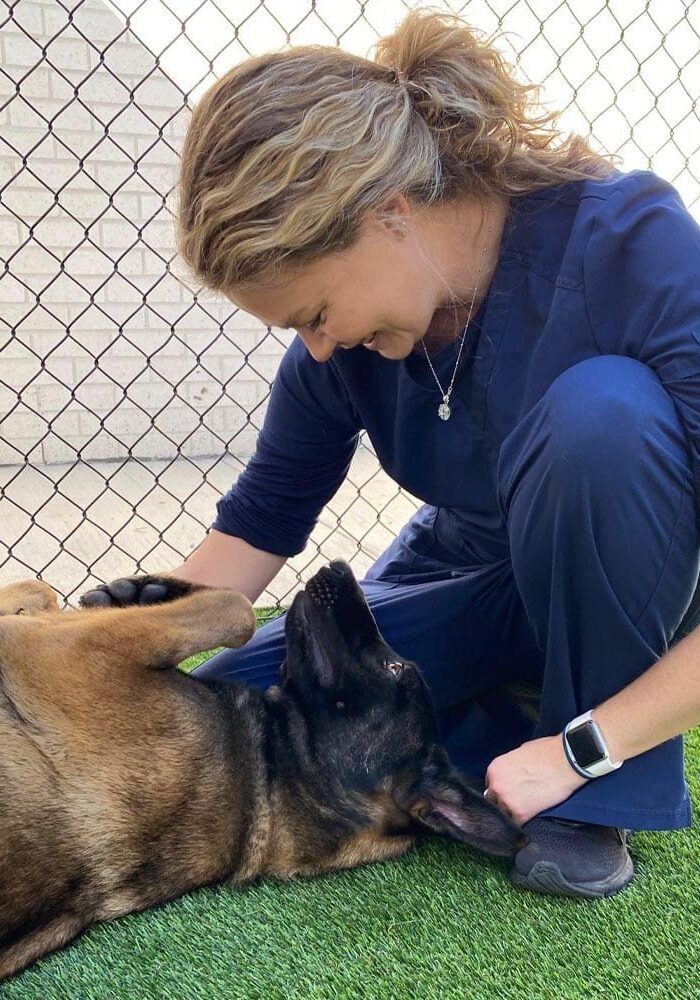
<point x="545" y="877"/>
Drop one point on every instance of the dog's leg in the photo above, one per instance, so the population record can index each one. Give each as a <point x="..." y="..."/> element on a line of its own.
<point x="40" y="655"/>
<point x="53" y="935"/>
<point x="163" y="634"/>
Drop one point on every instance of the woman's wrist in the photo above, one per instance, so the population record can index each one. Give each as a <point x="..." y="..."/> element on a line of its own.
<point x="569" y="776"/>
<point x="618" y="747"/>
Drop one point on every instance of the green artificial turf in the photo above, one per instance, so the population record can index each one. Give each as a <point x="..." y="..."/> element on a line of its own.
<point x="442" y="922"/>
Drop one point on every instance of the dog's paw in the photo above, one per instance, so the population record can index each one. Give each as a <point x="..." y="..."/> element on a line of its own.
<point x="131" y="590"/>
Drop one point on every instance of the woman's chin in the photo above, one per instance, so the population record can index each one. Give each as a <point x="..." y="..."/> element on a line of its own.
<point x="390" y="346"/>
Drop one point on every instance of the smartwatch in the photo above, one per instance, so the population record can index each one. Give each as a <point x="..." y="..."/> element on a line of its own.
<point x="586" y="749"/>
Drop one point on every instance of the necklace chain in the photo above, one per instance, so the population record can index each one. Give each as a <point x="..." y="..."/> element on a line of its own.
<point x="444" y="411"/>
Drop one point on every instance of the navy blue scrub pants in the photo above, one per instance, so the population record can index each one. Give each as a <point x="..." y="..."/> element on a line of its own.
<point x="580" y="592"/>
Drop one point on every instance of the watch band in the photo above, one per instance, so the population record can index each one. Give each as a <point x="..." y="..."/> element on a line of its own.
<point x="590" y="768"/>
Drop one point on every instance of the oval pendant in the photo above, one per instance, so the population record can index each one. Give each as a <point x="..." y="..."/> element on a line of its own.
<point x="444" y="411"/>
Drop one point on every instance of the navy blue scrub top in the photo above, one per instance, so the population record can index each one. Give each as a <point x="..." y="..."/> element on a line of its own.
<point x="585" y="268"/>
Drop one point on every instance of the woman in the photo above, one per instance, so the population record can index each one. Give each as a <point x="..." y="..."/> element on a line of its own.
<point x="515" y="324"/>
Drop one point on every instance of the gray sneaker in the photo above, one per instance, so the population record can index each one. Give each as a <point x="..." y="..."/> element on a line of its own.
<point x="573" y="859"/>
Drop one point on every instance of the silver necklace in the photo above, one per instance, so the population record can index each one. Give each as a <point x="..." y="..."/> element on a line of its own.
<point x="444" y="410"/>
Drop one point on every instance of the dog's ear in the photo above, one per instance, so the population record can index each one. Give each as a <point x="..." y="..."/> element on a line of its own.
<point x="445" y="804"/>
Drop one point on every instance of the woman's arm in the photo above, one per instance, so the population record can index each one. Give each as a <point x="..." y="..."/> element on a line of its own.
<point x="221" y="560"/>
<point x="661" y="703"/>
<point x="227" y="561"/>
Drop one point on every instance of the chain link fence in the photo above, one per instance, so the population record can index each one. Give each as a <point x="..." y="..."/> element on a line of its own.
<point x="129" y="401"/>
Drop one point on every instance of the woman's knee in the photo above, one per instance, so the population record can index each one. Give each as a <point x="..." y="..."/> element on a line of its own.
<point x="596" y="483"/>
<point x="602" y="423"/>
<point x="602" y="414"/>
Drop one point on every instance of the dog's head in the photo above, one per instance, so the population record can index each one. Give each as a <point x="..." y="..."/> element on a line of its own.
<point x="371" y="723"/>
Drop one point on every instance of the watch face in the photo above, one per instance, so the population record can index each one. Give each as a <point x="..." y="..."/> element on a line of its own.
<point x="585" y="744"/>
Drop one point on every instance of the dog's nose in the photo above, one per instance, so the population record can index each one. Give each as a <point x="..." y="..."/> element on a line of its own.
<point x="322" y="589"/>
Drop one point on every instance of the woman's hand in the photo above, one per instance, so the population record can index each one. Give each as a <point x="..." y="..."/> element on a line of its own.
<point x="534" y="777"/>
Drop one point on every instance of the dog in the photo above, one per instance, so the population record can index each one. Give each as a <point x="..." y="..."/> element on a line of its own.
<point x="125" y="783"/>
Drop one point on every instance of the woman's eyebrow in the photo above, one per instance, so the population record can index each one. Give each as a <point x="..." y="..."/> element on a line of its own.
<point x="297" y="321"/>
<point x="293" y="321"/>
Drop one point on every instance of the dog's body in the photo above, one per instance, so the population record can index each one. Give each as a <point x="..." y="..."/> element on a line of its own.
<point x="125" y="782"/>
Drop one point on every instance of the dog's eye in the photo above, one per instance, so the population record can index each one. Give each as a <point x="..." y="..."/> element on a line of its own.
<point x="394" y="667"/>
<point x="340" y="705"/>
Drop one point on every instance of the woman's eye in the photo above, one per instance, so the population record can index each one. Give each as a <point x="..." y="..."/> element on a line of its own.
<point x="316" y="322"/>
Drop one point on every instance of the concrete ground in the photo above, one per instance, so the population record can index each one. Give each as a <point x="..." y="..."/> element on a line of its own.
<point x="78" y="524"/>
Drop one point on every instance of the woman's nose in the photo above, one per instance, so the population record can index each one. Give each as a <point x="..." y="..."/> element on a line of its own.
<point x="319" y="346"/>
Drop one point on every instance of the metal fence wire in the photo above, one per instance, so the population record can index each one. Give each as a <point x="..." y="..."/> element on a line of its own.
<point x="129" y="400"/>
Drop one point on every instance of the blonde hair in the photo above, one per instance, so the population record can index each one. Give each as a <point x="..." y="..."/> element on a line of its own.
<point x="287" y="152"/>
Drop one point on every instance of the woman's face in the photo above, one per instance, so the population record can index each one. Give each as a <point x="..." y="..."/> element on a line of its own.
<point x="379" y="294"/>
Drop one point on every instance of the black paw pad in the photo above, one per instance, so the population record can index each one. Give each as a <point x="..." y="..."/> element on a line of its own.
<point x="123" y="591"/>
<point x="154" y="593"/>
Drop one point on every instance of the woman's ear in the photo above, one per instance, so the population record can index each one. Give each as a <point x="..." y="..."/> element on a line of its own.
<point x="395" y="214"/>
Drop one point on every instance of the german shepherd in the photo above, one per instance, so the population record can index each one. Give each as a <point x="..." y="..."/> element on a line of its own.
<point x="124" y="782"/>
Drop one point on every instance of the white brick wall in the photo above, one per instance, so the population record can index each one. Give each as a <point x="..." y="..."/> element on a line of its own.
<point x="86" y="239"/>
<point x="99" y="344"/>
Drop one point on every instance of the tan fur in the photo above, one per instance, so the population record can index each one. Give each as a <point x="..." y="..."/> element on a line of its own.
<point x="28" y="597"/>
<point x="52" y="936"/>
<point x="369" y="845"/>
<point x="120" y="785"/>
<point x="97" y="745"/>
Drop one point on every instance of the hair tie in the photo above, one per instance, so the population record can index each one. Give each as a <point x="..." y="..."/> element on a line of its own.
<point x="399" y="76"/>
